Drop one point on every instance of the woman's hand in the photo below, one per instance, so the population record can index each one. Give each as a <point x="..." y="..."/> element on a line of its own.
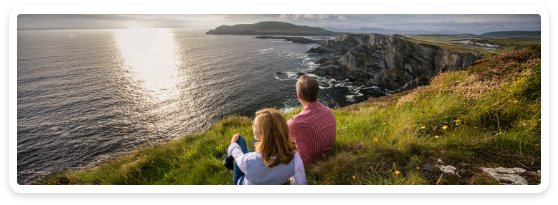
<point x="235" y="138"/>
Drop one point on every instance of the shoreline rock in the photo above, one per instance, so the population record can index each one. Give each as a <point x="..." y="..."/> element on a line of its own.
<point x="292" y="39"/>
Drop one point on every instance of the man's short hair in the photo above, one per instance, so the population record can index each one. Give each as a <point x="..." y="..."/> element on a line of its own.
<point x="307" y="87"/>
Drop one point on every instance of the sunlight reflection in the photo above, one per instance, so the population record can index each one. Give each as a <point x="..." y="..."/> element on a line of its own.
<point x="150" y="55"/>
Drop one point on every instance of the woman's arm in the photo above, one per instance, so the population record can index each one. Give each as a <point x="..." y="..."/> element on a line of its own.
<point x="299" y="176"/>
<point x="239" y="157"/>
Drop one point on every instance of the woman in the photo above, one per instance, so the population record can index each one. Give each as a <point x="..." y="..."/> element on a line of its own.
<point x="274" y="161"/>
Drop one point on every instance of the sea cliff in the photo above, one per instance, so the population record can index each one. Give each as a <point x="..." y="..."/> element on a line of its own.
<point x="394" y="62"/>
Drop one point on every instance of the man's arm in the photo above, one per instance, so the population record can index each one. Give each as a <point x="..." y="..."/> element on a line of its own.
<point x="293" y="131"/>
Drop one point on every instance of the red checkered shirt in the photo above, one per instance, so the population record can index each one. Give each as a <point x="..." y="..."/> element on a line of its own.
<point x="313" y="130"/>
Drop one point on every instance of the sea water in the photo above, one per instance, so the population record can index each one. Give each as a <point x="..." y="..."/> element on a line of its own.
<point x="86" y="95"/>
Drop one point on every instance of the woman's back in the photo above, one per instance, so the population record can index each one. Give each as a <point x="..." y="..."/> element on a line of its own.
<point x="259" y="173"/>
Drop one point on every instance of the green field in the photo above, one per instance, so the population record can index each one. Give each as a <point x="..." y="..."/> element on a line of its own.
<point x="452" y="42"/>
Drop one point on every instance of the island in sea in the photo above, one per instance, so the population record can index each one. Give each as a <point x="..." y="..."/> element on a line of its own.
<point x="272" y="28"/>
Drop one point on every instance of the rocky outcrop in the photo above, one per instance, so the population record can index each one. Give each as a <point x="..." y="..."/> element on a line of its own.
<point x="322" y="50"/>
<point x="417" y="82"/>
<point x="393" y="62"/>
<point x="292" y="39"/>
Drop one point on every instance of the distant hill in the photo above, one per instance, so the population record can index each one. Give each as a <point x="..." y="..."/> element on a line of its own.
<point x="272" y="28"/>
<point x="369" y="30"/>
<point x="508" y="34"/>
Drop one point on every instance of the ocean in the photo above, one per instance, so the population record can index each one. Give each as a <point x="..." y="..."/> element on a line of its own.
<point x="86" y="95"/>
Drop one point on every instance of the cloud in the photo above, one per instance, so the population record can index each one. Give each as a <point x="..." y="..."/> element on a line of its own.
<point x="341" y="17"/>
<point x="310" y="16"/>
<point x="284" y="16"/>
<point x="297" y="16"/>
<point x="323" y="16"/>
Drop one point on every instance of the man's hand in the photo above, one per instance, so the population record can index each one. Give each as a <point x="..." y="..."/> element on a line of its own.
<point x="235" y="138"/>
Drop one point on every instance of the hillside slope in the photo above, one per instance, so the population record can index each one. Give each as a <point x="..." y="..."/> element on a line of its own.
<point x="508" y="34"/>
<point x="488" y="115"/>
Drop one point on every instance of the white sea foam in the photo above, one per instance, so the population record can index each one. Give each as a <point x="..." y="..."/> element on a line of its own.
<point x="291" y="75"/>
<point x="287" y="109"/>
<point x="277" y="77"/>
<point x="312" y="75"/>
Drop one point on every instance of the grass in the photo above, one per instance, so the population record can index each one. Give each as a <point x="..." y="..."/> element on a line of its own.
<point x="450" y="41"/>
<point x="442" y="43"/>
<point x="381" y="141"/>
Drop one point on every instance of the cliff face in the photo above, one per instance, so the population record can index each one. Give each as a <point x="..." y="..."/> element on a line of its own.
<point x="393" y="62"/>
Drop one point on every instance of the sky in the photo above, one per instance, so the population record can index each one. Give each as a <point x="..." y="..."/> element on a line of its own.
<point x="431" y="23"/>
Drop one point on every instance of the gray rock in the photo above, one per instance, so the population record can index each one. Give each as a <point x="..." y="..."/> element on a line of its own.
<point x="321" y="50"/>
<point x="447" y="169"/>
<point x="507" y="175"/>
<point x="514" y="170"/>
<point x="420" y="81"/>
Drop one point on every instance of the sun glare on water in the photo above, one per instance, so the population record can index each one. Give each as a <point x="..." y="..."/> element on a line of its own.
<point x="150" y="55"/>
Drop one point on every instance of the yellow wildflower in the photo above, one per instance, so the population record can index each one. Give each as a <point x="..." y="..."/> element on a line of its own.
<point x="422" y="127"/>
<point x="444" y="127"/>
<point x="418" y="168"/>
<point x="383" y="123"/>
<point x="375" y="139"/>
<point x="437" y="136"/>
<point x="353" y="177"/>
<point x="396" y="172"/>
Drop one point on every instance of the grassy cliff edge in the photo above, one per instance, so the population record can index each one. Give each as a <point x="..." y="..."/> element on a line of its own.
<point x="486" y="116"/>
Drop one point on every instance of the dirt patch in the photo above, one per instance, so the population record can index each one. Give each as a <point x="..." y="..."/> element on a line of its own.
<point x="355" y="147"/>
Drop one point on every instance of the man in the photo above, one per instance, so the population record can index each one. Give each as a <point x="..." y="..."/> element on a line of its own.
<point x="313" y="129"/>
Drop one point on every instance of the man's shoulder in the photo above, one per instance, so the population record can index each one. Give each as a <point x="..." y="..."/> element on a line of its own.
<point x="297" y="119"/>
<point x="324" y="110"/>
<point x="322" y="107"/>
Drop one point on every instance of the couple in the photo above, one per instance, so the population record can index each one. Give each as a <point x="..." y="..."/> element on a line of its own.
<point x="283" y="148"/>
